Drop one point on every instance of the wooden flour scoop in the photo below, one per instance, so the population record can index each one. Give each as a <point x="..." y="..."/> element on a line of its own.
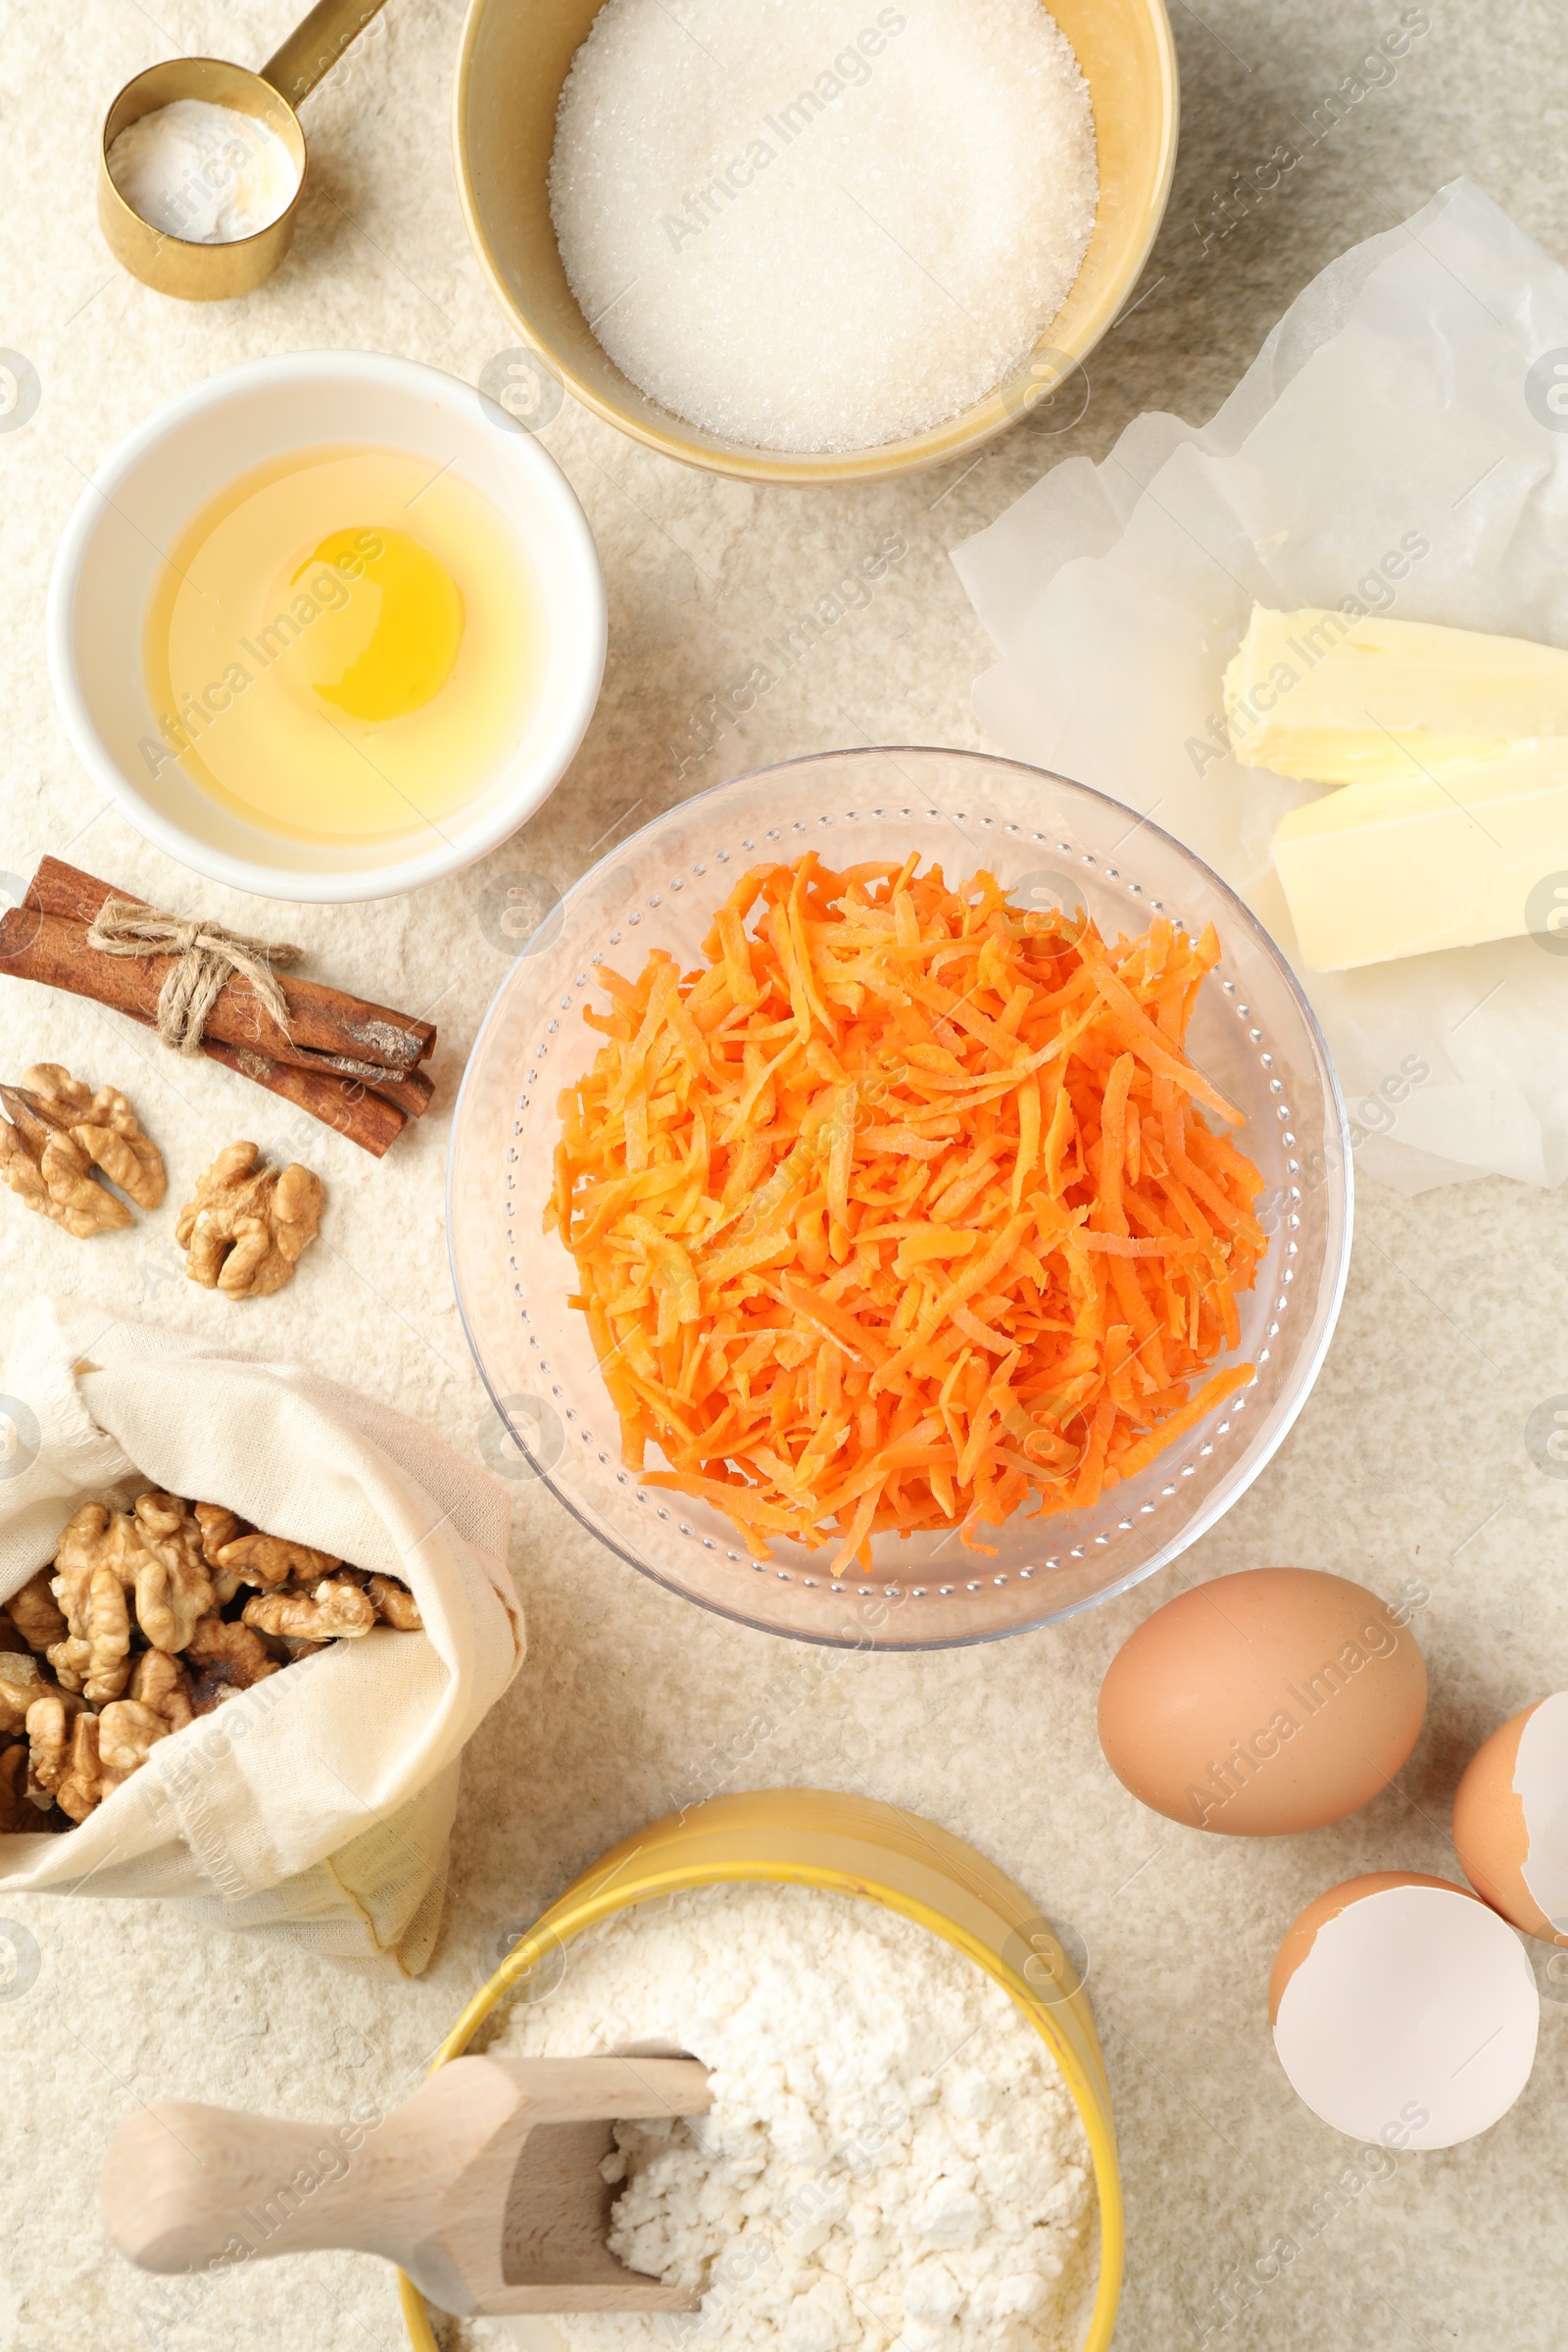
<point x="484" y="2186"/>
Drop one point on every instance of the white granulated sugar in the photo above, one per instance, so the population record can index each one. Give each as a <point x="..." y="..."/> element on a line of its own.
<point x="891" y="2157"/>
<point x="822" y="224"/>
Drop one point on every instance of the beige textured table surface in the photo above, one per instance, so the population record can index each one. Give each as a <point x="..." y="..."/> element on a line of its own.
<point x="1410" y="1461"/>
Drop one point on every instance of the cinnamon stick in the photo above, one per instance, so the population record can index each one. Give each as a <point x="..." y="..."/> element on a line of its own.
<point x="47" y="949"/>
<point x="45" y="940"/>
<point x="355" y="1113"/>
<point x="328" y="1028"/>
<point x="411" y="1093"/>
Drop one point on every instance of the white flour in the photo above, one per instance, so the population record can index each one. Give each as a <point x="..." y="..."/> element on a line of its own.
<point x="820" y="224"/>
<point x="891" y="2157"/>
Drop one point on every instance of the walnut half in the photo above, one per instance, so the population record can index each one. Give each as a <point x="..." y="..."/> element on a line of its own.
<point x="173" y="1585"/>
<point x="80" y="1789"/>
<point x="54" y="1134"/>
<point x="256" y="1559"/>
<point x="249" y="1222"/>
<point x="335" y="1611"/>
<point x="127" y="1733"/>
<point x="35" y="1613"/>
<point x="95" y="1561"/>
<point x="219" y="1527"/>
<point x="395" y="1604"/>
<point x="160" y="1683"/>
<point x="105" y="1126"/>
<point x="224" y="1660"/>
<point x="20" y="1683"/>
<point x="50" y="1171"/>
<point x="49" y="1727"/>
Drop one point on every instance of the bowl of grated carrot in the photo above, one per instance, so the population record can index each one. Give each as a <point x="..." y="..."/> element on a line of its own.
<point x="898" y="1198"/>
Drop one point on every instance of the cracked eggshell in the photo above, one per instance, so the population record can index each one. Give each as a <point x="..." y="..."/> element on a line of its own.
<point x="1510" y="1820"/>
<point x="1259" y="1704"/>
<point x="1405" y="2011"/>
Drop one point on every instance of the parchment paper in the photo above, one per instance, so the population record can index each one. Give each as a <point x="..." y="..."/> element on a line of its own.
<point x="1400" y="445"/>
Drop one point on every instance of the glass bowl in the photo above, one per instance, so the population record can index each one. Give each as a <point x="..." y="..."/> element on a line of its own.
<point x="1048" y="841"/>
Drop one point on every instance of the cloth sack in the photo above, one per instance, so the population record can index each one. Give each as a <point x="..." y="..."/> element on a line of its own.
<point x="319" y="1805"/>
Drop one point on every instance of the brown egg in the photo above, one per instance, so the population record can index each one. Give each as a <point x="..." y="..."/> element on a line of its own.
<point x="1278" y="1699"/>
<point x="1510" y="1820"/>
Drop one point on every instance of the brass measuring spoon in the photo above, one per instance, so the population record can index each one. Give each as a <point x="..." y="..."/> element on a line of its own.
<point x="180" y="266"/>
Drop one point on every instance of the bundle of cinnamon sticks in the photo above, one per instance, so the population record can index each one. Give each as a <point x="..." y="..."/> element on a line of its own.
<point x="352" y="1064"/>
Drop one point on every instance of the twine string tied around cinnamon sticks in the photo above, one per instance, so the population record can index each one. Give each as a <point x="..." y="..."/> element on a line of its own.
<point x="207" y="957"/>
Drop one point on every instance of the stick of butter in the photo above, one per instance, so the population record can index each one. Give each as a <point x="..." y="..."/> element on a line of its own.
<point x="1401" y="867"/>
<point x="1318" y="695"/>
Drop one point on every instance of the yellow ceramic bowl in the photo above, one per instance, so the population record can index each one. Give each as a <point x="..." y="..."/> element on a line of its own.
<point x="514" y="58"/>
<point x="852" y="1845"/>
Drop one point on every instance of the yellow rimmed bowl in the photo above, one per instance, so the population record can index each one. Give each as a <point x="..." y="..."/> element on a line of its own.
<point x="856" y="1846"/>
<point x="513" y="61"/>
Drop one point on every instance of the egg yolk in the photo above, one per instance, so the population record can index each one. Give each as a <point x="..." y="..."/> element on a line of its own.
<point x="391" y="645"/>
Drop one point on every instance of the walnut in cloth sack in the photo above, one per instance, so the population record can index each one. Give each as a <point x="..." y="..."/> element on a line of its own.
<point x="316" y="1802"/>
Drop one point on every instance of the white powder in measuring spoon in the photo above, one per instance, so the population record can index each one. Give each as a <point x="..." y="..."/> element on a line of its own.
<point x="891" y="2157"/>
<point x="203" y="173"/>
<point x="822" y="224"/>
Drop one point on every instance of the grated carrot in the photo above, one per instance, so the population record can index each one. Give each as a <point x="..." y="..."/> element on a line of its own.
<point x="903" y="1211"/>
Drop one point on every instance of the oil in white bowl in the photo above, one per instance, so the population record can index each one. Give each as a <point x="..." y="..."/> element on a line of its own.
<point x="345" y="646"/>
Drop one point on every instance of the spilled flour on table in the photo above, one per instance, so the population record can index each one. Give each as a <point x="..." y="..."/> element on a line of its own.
<point x="892" y="2156"/>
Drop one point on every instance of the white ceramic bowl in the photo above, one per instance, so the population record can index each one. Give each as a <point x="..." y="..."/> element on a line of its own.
<point x="157" y="481"/>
